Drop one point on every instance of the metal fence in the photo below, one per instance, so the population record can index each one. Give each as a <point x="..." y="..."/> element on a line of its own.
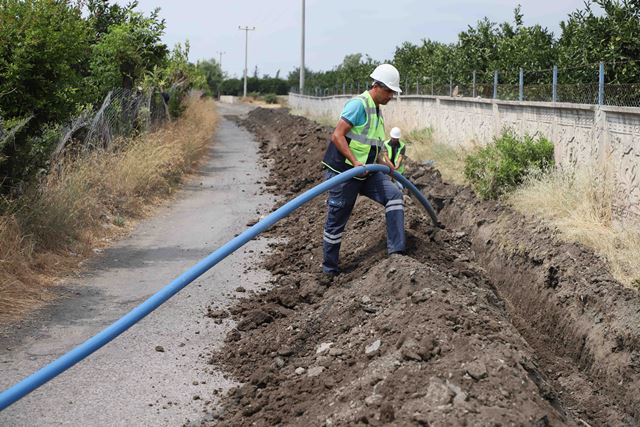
<point x="582" y="85"/>
<point x="122" y="113"/>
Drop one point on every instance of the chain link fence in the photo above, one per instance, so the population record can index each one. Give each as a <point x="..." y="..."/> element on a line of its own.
<point x="122" y="113"/>
<point x="582" y="85"/>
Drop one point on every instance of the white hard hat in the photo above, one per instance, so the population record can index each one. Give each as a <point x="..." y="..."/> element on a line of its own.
<point x="395" y="133"/>
<point x="388" y="75"/>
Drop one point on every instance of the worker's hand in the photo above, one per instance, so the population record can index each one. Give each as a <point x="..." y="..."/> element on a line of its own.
<point x="390" y="164"/>
<point x="391" y="168"/>
<point x="356" y="164"/>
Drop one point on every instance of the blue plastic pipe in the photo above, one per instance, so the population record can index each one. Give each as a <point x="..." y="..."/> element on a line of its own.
<point x="69" y="359"/>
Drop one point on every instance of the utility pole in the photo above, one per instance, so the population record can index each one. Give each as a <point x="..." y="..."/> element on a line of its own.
<point x="220" y="61"/>
<point x="246" y="48"/>
<point x="302" y="55"/>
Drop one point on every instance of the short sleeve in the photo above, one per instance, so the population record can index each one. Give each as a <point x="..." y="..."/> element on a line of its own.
<point x="354" y="112"/>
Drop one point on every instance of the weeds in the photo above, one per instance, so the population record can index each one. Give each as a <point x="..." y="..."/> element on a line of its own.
<point x="68" y="211"/>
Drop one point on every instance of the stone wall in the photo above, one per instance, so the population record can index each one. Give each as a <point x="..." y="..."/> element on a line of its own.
<point x="584" y="135"/>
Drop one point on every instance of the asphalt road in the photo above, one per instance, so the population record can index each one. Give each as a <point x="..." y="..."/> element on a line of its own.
<point x="129" y="382"/>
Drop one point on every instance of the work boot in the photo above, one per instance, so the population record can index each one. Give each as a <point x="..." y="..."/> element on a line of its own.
<point x="397" y="254"/>
<point x="326" y="278"/>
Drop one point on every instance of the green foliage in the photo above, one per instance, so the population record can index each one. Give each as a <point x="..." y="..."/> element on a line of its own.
<point x="483" y="48"/>
<point x="213" y="75"/>
<point x="355" y="68"/>
<point x="256" y="86"/>
<point x="57" y="57"/>
<point x="271" y="98"/>
<point x="612" y="37"/>
<point x="44" y="47"/>
<point x="502" y="165"/>
<point x="126" y="51"/>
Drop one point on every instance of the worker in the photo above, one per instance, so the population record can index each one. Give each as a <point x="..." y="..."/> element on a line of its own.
<point x="395" y="151"/>
<point x="358" y="139"/>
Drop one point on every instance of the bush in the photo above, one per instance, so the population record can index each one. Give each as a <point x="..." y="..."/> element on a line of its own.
<point x="502" y="165"/>
<point x="271" y="98"/>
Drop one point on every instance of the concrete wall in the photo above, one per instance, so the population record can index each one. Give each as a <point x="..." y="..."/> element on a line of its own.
<point x="228" y="99"/>
<point x="583" y="134"/>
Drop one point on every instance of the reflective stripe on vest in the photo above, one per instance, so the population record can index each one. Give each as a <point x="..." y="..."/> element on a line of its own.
<point x="368" y="135"/>
<point x="387" y="145"/>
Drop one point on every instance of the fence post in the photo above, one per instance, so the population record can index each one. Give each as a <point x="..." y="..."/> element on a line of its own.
<point x="358" y="87"/>
<point x="521" y="86"/>
<point x="432" y="91"/>
<point x="495" y="84"/>
<point x="417" y="86"/>
<point x="344" y="88"/>
<point x="450" y="86"/>
<point x="473" y="91"/>
<point x="554" y="85"/>
<point x="601" y="84"/>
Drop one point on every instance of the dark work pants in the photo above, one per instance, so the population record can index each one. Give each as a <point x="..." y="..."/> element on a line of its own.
<point x="342" y="198"/>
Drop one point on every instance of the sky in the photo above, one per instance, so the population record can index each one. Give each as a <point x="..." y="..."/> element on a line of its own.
<point x="334" y="28"/>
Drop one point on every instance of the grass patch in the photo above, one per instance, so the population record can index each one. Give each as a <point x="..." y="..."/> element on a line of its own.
<point x="580" y="206"/>
<point x="84" y="199"/>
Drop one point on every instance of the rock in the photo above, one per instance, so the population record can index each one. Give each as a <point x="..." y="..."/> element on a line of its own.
<point x="387" y="413"/>
<point x="160" y="349"/>
<point x="285" y="352"/>
<point x="373" y="400"/>
<point x="324" y="347"/>
<point x="410" y="350"/>
<point x="240" y="289"/>
<point x="420" y="419"/>
<point x="300" y="371"/>
<point x="315" y="371"/>
<point x="336" y="352"/>
<point x="420" y="296"/>
<point x="324" y="361"/>
<point x="373" y="348"/>
<point x="279" y="361"/>
<point x="460" y="397"/>
<point x="254" y="319"/>
<point x="427" y="348"/>
<point x="438" y="394"/>
<point x="476" y="370"/>
<point x="365" y="299"/>
<point x="217" y="314"/>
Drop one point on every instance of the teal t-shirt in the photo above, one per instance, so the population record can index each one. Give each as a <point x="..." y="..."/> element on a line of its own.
<point x="354" y="112"/>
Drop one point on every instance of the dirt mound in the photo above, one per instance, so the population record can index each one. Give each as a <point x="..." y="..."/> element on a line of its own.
<point x="491" y="321"/>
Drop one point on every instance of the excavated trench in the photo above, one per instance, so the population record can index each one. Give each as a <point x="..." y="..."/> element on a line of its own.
<point x="490" y="321"/>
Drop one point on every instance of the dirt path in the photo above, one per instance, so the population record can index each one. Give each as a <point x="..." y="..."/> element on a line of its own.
<point x="154" y="373"/>
<point x="491" y="321"/>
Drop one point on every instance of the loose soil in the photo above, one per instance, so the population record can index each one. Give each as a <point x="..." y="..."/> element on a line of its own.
<point x="489" y="321"/>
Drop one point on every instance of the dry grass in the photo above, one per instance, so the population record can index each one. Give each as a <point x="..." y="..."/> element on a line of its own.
<point x="55" y="224"/>
<point x="422" y="147"/>
<point x="579" y="205"/>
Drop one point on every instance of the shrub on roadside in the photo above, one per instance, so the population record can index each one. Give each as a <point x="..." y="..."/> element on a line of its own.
<point x="502" y="165"/>
<point x="271" y="98"/>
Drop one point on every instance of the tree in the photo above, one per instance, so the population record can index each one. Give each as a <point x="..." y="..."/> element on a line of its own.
<point x="44" y="48"/>
<point x="128" y="49"/>
<point x="587" y="39"/>
<point x="213" y="75"/>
